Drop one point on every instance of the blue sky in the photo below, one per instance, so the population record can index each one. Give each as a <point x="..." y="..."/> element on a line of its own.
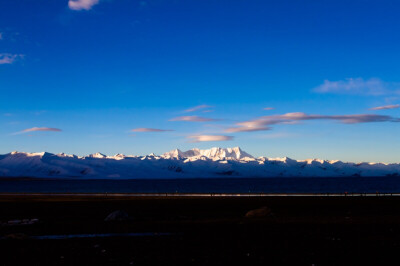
<point x="120" y="76"/>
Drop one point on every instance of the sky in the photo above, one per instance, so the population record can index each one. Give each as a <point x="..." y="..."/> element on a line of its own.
<point x="303" y="79"/>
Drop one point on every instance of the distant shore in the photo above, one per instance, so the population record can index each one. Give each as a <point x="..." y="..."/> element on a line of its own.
<point x="104" y="196"/>
<point x="243" y="186"/>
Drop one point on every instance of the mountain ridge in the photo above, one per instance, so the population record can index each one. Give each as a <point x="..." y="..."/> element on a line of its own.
<point x="214" y="162"/>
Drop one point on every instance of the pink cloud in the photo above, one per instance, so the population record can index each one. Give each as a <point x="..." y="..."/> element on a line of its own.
<point x="6" y="58"/>
<point x="264" y="122"/>
<point x="39" y="129"/>
<point x="150" y="130"/>
<point x="247" y="129"/>
<point x="386" y="107"/>
<point x="196" y="108"/>
<point x="82" y="4"/>
<point x="203" y="138"/>
<point x="268" y="108"/>
<point x="193" y="119"/>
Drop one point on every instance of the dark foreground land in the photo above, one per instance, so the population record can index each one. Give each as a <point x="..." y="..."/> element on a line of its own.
<point x="199" y="231"/>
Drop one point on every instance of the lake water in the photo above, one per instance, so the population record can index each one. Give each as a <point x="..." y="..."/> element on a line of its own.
<point x="222" y="185"/>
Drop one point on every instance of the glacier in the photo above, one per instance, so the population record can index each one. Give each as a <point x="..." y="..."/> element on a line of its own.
<point x="194" y="163"/>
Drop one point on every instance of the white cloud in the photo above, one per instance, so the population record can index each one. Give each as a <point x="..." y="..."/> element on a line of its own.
<point x="386" y="107"/>
<point x="82" y="4"/>
<point x="202" y="138"/>
<point x="7" y="58"/>
<point x="373" y="86"/>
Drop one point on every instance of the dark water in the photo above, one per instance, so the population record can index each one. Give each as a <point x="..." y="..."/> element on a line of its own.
<point x="226" y="185"/>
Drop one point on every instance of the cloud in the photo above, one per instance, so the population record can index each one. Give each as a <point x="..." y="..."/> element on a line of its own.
<point x="196" y="108"/>
<point x="82" y="4"/>
<point x="373" y="86"/>
<point x="268" y="108"/>
<point x="193" y="119"/>
<point x="6" y="58"/>
<point x="150" y="130"/>
<point x="386" y="107"/>
<point x="1" y="36"/>
<point x="264" y="122"/>
<point x="202" y="138"/>
<point x="42" y="129"/>
<point x="247" y="128"/>
<point x="39" y="129"/>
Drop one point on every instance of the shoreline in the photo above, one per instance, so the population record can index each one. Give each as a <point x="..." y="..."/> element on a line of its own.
<point x="218" y="186"/>
<point x="190" y="195"/>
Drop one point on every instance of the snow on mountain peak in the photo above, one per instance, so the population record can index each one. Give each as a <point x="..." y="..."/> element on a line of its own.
<point x="214" y="162"/>
<point x="118" y="156"/>
<point x="215" y="153"/>
<point x="97" y="155"/>
<point x="220" y="153"/>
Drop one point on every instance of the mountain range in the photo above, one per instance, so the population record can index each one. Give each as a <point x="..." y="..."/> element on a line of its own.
<point x="194" y="163"/>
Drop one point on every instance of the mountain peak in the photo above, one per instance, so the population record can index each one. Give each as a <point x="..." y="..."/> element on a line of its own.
<point x="97" y="155"/>
<point x="215" y="153"/>
<point x="176" y="164"/>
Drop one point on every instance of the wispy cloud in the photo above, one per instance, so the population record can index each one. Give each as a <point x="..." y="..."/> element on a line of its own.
<point x="7" y="58"/>
<point x="82" y="4"/>
<point x="197" y="108"/>
<point x="39" y="129"/>
<point x="193" y="119"/>
<point x="268" y="108"/>
<point x="264" y="122"/>
<point x="1" y="36"/>
<point x="150" y="130"/>
<point x="373" y="86"/>
<point x="247" y="127"/>
<point x="203" y="138"/>
<point x="386" y="107"/>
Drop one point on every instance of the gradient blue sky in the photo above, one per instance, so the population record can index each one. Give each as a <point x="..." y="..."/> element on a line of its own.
<point x="96" y="70"/>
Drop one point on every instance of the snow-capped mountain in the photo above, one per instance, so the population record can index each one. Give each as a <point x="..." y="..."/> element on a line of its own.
<point x="213" y="154"/>
<point x="215" y="162"/>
